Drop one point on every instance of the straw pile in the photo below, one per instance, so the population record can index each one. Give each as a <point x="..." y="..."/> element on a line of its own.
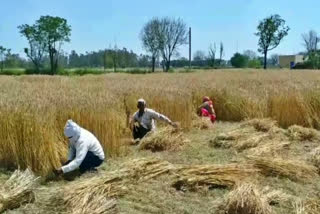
<point x="17" y="190"/>
<point x="223" y="140"/>
<point x="202" y="123"/>
<point x="262" y="125"/>
<point x="98" y="205"/>
<point x="300" y="133"/>
<point x="251" y="142"/>
<point x="309" y="206"/>
<point x="261" y="136"/>
<point x="292" y="169"/>
<point x="275" y="197"/>
<point x="245" y="199"/>
<point x="96" y="194"/>
<point x="166" y="138"/>
<point x="314" y="157"/>
<point x="190" y="177"/>
<point x="270" y="148"/>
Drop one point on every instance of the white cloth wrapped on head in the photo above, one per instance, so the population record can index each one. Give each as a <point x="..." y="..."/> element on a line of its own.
<point x="81" y="141"/>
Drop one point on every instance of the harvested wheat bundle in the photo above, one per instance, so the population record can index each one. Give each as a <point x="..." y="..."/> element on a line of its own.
<point x="241" y="138"/>
<point x="309" y="206"/>
<point x="202" y="123"/>
<point x="144" y="169"/>
<point x="275" y="197"/>
<point x="251" y="142"/>
<point x="300" y="133"/>
<point x="98" y="205"/>
<point x="212" y="175"/>
<point x="292" y="169"/>
<point x="227" y="140"/>
<point x="262" y="125"/>
<point x="222" y="140"/>
<point x="17" y="190"/>
<point x="245" y="199"/>
<point x="314" y="157"/>
<point x="166" y="138"/>
<point x="81" y="195"/>
<point x="271" y="148"/>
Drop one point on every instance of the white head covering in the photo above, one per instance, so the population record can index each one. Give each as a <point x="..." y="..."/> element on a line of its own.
<point x="142" y="101"/>
<point x="72" y="131"/>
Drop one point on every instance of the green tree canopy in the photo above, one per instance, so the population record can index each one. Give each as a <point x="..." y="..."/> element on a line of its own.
<point x="46" y="36"/>
<point x="239" y="61"/>
<point x="271" y="31"/>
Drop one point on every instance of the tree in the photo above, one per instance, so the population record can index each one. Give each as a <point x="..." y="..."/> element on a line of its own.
<point x="250" y="54"/>
<point x="212" y="54"/>
<point x="274" y="60"/>
<point x="271" y="31"/>
<point x="221" y="52"/>
<point x="254" y="63"/>
<point x="199" y="56"/>
<point x="150" y="39"/>
<point x="114" y="56"/>
<point x="46" y="36"/>
<point x="37" y="44"/>
<point x="239" y="61"/>
<point x="2" y="57"/>
<point x="172" y="34"/>
<point x="311" y="41"/>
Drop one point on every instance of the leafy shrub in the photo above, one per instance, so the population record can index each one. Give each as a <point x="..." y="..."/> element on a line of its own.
<point x="15" y="72"/>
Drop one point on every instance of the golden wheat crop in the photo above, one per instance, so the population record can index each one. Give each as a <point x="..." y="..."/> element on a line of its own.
<point x="34" y="109"/>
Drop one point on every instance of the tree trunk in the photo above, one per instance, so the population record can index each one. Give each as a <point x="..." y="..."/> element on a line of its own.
<point x="56" y="65"/>
<point x="167" y="65"/>
<point x="265" y="60"/>
<point x="153" y="63"/>
<point x="51" y="61"/>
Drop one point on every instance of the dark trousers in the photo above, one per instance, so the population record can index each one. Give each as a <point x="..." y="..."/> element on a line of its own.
<point x="139" y="132"/>
<point x="90" y="162"/>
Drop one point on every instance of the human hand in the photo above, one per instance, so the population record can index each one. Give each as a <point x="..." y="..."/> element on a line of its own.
<point x="174" y="124"/>
<point x="58" y="172"/>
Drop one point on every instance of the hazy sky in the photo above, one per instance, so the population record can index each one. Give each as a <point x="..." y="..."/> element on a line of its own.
<point x="97" y="24"/>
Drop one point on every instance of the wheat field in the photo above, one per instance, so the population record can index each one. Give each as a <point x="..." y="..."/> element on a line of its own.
<point x="34" y="109"/>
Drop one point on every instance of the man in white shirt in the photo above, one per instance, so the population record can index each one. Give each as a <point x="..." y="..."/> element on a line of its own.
<point x="85" y="151"/>
<point x="143" y="120"/>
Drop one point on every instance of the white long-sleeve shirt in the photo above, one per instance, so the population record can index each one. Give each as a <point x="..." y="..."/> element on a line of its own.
<point x="148" y="117"/>
<point x="79" y="148"/>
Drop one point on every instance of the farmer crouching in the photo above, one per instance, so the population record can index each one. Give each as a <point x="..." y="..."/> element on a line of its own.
<point x="206" y="109"/>
<point x="85" y="151"/>
<point x="143" y="121"/>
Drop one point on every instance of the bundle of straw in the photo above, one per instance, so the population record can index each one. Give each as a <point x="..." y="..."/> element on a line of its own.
<point x="314" y="157"/>
<point x="300" y="133"/>
<point x="144" y="169"/>
<point x="92" y="192"/>
<point x="274" y="197"/>
<point x="212" y="175"/>
<point x="309" y="206"/>
<point x="269" y="148"/>
<point x="252" y="141"/>
<point x="17" y="190"/>
<point x="163" y="139"/>
<point x="245" y="199"/>
<point x="202" y="123"/>
<point x="263" y="125"/>
<point x="292" y="169"/>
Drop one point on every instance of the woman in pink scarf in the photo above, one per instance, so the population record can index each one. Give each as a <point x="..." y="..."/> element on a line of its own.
<point x="206" y="109"/>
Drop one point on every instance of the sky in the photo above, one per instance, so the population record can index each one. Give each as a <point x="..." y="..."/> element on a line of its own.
<point x="99" y="24"/>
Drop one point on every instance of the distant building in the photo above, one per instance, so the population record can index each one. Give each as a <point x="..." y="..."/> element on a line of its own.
<point x="289" y="61"/>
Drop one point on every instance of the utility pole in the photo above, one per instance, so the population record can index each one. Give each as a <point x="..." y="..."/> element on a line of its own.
<point x="189" y="47"/>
